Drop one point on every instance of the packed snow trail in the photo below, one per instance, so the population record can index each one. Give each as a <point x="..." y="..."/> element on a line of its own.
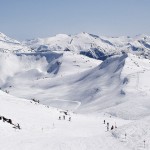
<point x="41" y="128"/>
<point x="83" y="133"/>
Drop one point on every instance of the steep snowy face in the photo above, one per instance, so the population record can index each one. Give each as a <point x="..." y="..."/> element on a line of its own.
<point x="83" y="43"/>
<point x="93" y="46"/>
<point x="57" y="43"/>
<point x="139" y="45"/>
<point x="5" y="38"/>
<point x="10" y="45"/>
<point x="28" y="66"/>
<point x="116" y="85"/>
<point x="134" y="90"/>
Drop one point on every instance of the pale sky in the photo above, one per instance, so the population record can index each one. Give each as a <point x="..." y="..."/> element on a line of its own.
<point x="25" y="19"/>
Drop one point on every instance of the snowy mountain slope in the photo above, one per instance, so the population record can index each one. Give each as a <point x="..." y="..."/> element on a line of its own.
<point x="10" y="45"/>
<point x="134" y="135"/>
<point x="44" y="64"/>
<point x="92" y="45"/>
<point x="31" y="68"/>
<point x="55" y="73"/>
<point x="139" y="44"/>
<point x="108" y="87"/>
<point x="41" y="129"/>
<point x="83" y="43"/>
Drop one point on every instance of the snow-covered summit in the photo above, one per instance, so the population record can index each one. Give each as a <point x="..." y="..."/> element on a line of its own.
<point x="99" y="47"/>
<point x="5" y="38"/>
<point x="62" y="42"/>
<point x="8" y="44"/>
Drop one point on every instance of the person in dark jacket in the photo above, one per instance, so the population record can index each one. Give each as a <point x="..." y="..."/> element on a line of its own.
<point x="112" y="127"/>
<point x="107" y="126"/>
<point x="104" y="121"/>
<point x="69" y="118"/>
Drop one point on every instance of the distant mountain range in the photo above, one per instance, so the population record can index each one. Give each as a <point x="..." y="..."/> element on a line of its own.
<point x="83" y="43"/>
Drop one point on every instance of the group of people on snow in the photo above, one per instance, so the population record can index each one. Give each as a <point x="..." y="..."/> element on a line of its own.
<point x="64" y="116"/>
<point x="108" y="127"/>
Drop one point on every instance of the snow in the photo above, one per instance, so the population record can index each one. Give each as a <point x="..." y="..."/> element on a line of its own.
<point x="90" y="86"/>
<point x="8" y="44"/>
<point x="41" y="129"/>
<point x="92" y="45"/>
<point x="53" y="72"/>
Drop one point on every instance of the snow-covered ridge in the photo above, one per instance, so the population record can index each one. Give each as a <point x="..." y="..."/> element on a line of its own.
<point x="5" y="38"/>
<point x="98" y="47"/>
<point x="8" y="44"/>
<point x="93" y="45"/>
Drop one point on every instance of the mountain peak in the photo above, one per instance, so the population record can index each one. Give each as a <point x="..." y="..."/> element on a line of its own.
<point x="8" y="44"/>
<point x="2" y="34"/>
<point x="83" y="33"/>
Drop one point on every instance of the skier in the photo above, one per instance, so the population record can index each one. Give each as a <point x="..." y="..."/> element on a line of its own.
<point x="112" y="127"/>
<point x="144" y="143"/>
<point x="107" y="126"/>
<point x="59" y="117"/>
<point x="18" y="126"/>
<point x="125" y="135"/>
<point x="64" y="117"/>
<point x="104" y="121"/>
<point x="69" y="118"/>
